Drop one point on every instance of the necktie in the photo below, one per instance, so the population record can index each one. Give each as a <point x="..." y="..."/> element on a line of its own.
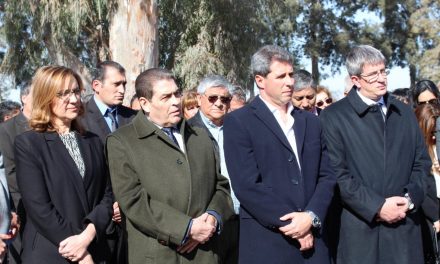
<point x="381" y="110"/>
<point x="169" y="132"/>
<point x="111" y="114"/>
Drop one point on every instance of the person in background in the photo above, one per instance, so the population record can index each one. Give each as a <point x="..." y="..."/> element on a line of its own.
<point x="9" y="109"/>
<point x="238" y="98"/>
<point x="134" y="103"/>
<point x="304" y="92"/>
<point x="425" y="92"/>
<point x="427" y="115"/>
<point x="8" y="131"/>
<point x="323" y="97"/>
<point x="62" y="176"/>
<point x="190" y="105"/>
<point x="214" y="97"/>
<point x="403" y="95"/>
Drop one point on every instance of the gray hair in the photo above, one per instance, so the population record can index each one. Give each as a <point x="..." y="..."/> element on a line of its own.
<point x="239" y="93"/>
<point x="363" y="55"/>
<point x="25" y="89"/>
<point x="262" y="59"/>
<point x="303" y="80"/>
<point x="214" y="81"/>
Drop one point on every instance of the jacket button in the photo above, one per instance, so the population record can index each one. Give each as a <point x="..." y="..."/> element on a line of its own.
<point x="291" y="159"/>
<point x="162" y="242"/>
<point x="294" y="182"/>
<point x="179" y="162"/>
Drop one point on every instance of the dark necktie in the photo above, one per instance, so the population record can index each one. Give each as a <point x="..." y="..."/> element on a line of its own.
<point x="169" y="132"/>
<point x="111" y="114"/>
<point x="381" y="110"/>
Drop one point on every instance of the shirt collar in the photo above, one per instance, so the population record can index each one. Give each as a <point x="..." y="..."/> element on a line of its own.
<point x="273" y="109"/>
<point x="208" y="122"/>
<point x="103" y="107"/>
<point x="368" y="101"/>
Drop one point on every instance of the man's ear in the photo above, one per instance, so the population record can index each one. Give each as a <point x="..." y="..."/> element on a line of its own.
<point x="145" y="104"/>
<point x="355" y="81"/>
<point x="199" y="99"/>
<point x="260" y="81"/>
<point x="96" y="86"/>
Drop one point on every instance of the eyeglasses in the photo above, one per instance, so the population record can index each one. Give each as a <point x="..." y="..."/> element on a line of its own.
<point x="213" y="98"/>
<point x="67" y="93"/>
<point x="374" y="76"/>
<point x="300" y="98"/>
<point x="327" y="101"/>
<point x="432" y="101"/>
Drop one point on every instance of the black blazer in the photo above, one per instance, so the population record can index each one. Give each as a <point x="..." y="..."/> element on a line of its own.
<point x="94" y="121"/>
<point x="8" y="131"/>
<point x="59" y="203"/>
<point x="196" y="121"/>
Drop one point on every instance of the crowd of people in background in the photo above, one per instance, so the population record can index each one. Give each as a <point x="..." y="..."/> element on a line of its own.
<point x="210" y="175"/>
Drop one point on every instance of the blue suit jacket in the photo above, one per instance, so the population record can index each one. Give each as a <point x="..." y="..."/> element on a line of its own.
<point x="269" y="183"/>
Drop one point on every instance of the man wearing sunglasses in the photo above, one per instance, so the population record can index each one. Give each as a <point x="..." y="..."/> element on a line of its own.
<point x="214" y="98"/>
<point x="381" y="164"/>
<point x="279" y="169"/>
<point x="304" y="92"/>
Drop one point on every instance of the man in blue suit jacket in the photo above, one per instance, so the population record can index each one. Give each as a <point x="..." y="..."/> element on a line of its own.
<point x="279" y="168"/>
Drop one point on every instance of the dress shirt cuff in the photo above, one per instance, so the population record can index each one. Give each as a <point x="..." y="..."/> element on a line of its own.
<point x="188" y="229"/>
<point x="219" y="220"/>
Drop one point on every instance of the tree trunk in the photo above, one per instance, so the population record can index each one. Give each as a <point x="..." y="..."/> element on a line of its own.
<point x="412" y="75"/>
<point x="134" y="39"/>
<point x="315" y="69"/>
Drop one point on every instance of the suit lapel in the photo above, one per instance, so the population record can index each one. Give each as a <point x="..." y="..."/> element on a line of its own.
<point x="98" y="118"/>
<point x="86" y="153"/>
<point x="263" y="113"/>
<point x="63" y="159"/>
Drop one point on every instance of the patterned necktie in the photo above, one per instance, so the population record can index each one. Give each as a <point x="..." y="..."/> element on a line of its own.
<point x="169" y="132"/>
<point x="381" y="110"/>
<point x="111" y="114"/>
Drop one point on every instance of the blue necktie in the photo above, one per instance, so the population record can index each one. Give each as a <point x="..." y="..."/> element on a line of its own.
<point x="111" y="113"/>
<point x="169" y="132"/>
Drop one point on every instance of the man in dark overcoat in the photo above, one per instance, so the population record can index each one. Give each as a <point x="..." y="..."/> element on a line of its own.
<point x="381" y="163"/>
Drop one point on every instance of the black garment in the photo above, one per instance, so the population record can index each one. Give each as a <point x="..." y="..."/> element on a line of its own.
<point x="59" y="202"/>
<point x="374" y="160"/>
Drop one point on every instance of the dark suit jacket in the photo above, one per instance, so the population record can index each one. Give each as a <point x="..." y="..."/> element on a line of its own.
<point x="269" y="184"/>
<point x="58" y="202"/>
<point x="8" y="131"/>
<point x="94" y="121"/>
<point x="196" y="121"/>
<point x="160" y="188"/>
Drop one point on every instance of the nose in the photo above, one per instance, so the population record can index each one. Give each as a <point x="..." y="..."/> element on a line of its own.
<point x="73" y="98"/>
<point x="290" y="81"/>
<point x="121" y="88"/>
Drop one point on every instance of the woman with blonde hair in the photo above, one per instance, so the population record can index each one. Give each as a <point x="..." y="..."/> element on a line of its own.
<point x="323" y="97"/>
<point x="190" y="105"/>
<point x="62" y="176"/>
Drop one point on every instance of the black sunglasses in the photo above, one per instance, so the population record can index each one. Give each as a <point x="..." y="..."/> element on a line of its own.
<point x="300" y="98"/>
<point x="213" y="98"/>
<point x="432" y="101"/>
<point x="327" y="101"/>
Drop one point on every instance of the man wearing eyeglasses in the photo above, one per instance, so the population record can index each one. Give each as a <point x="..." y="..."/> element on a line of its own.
<point x="304" y="92"/>
<point x="381" y="164"/>
<point x="279" y="169"/>
<point x="214" y="98"/>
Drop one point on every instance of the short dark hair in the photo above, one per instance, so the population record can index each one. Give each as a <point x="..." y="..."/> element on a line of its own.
<point x="101" y="69"/>
<point x="146" y="80"/>
<point x="7" y="108"/>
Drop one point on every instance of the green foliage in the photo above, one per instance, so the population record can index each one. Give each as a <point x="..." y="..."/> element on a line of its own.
<point x="53" y="31"/>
